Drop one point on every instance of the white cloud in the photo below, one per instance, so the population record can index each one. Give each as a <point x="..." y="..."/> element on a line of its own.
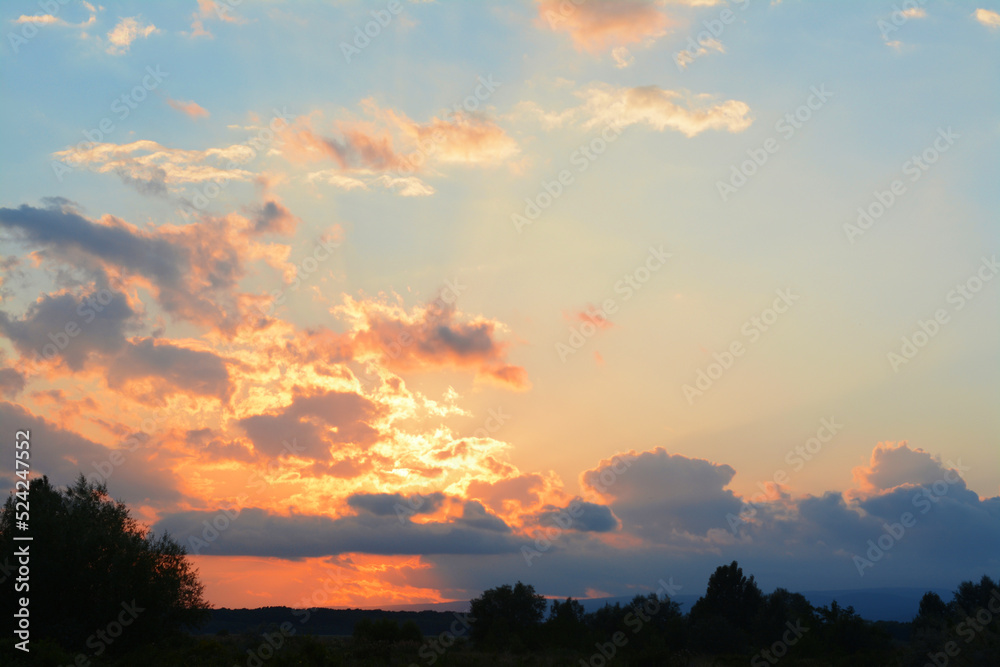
<point x="987" y="18"/>
<point x="127" y="31"/>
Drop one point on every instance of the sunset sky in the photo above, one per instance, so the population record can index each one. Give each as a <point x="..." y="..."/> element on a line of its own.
<point x="441" y="296"/>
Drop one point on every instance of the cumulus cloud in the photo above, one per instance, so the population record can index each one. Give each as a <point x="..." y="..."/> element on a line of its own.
<point x="659" y="494"/>
<point x="127" y="31"/>
<point x="894" y="464"/>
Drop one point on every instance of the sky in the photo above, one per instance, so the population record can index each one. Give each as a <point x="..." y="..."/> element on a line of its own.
<point x="393" y="302"/>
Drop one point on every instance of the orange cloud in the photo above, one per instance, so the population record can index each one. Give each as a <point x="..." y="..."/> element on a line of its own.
<point x="894" y="464"/>
<point x="600" y="25"/>
<point x="430" y="337"/>
<point x="389" y="149"/>
<point x="192" y="109"/>
<point x="466" y="138"/>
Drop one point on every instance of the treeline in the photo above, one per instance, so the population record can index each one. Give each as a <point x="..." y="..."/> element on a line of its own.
<point x="105" y="591"/>
<point x="736" y="620"/>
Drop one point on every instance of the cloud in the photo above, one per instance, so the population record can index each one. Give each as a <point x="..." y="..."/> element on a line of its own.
<point x="39" y="20"/>
<point x="208" y="9"/>
<point x="391" y="504"/>
<point x="66" y="454"/>
<point x="430" y="337"/>
<point x="367" y="179"/>
<point x="988" y="18"/>
<point x="662" y="109"/>
<point x="151" y="162"/>
<point x="580" y="515"/>
<point x="387" y="149"/>
<point x="359" y="146"/>
<point x="11" y="382"/>
<point x="623" y="57"/>
<point x="603" y="24"/>
<point x="511" y="493"/>
<point x="68" y="327"/>
<point x="463" y="138"/>
<point x="258" y="532"/>
<point x="474" y="515"/>
<point x="658" y="494"/>
<point x="892" y="466"/>
<point x="127" y="31"/>
<point x="192" y="109"/>
<point x="313" y="423"/>
<point x="168" y="369"/>
<point x="686" y="56"/>
<point x="273" y="218"/>
<point x="192" y="270"/>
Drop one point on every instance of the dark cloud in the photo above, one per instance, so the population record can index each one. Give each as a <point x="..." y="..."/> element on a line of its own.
<point x="312" y="423"/>
<point x="150" y="181"/>
<point x="61" y="227"/>
<point x="391" y="504"/>
<point x="171" y="369"/>
<point x="11" y="382"/>
<point x="99" y="319"/>
<point x="475" y="515"/>
<point x="257" y="532"/>
<point x="194" y="270"/>
<point x="581" y="516"/>
<point x="656" y="494"/>
<point x="273" y="218"/>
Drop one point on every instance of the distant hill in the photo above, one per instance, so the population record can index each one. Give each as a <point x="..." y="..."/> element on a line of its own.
<point x="874" y="604"/>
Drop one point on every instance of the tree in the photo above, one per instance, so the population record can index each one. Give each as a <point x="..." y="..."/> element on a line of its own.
<point x="99" y="581"/>
<point x="777" y="610"/>
<point x="724" y="616"/>
<point x="565" y="627"/>
<point x="507" y="617"/>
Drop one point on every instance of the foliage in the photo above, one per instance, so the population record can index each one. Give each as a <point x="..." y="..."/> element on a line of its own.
<point x="95" y="573"/>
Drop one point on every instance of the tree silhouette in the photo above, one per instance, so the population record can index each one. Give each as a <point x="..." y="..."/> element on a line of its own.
<point x="566" y="625"/>
<point x="507" y="617"/>
<point x="99" y="581"/>
<point x="723" y="618"/>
